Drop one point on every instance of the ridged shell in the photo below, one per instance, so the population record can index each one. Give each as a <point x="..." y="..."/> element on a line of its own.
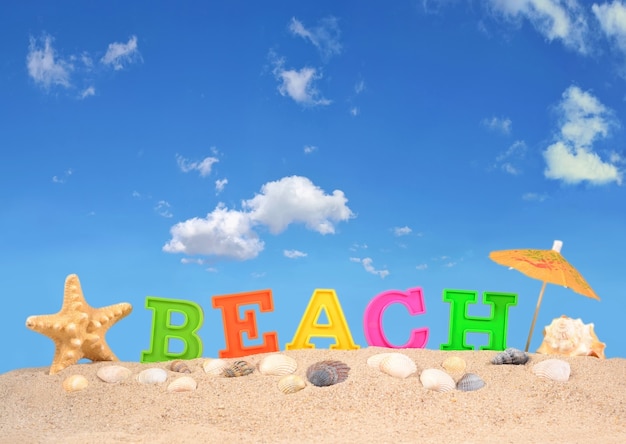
<point x="554" y="369"/>
<point x="75" y="383"/>
<point x="277" y="365"/>
<point x="152" y="376"/>
<point x="437" y="380"/>
<point x="183" y="384"/>
<point x="179" y="366"/>
<point x="398" y="365"/>
<point x="291" y="384"/>
<point x="325" y="373"/>
<point x="113" y="373"/>
<point x="570" y="337"/>
<point x="214" y="366"/>
<point x="374" y="360"/>
<point x="510" y="356"/>
<point x="470" y="382"/>
<point x="238" y="368"/>
<point x="454" y="364"/>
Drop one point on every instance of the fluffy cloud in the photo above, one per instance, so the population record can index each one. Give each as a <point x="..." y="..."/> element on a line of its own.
<point x="498" y="124"/>
<point x="294" y="254"/>
<point x="297" y="84"/>
<point x="219" y="185"/>
<point x="401" y="231"/>
<point x="369" y="267"/>
<point x="203" y="167"/>
<point x="163" y="209"/>
<point x="612" y="18"/>
<point x="119" y="54"/>
<point x="325" y="36"/>
<point x="44" y="67"/>
<point x="507" y="160"/>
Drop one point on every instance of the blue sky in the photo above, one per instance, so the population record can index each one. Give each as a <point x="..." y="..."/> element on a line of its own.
<point x="208" y="148"/>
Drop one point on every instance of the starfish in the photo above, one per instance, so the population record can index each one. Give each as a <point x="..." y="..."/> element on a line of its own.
<point x="78" y="329"/>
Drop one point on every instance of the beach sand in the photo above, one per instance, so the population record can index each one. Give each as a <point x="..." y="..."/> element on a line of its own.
<point x="515" y="405"/>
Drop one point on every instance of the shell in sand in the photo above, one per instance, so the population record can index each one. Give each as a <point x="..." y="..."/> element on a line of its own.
<point x="214" y="367"/>
<point x="277" y="365"/>
<point x="570" y="337"/>
<point x="291" y="384"/>
<point x="152" y="376"/>
<point x="326" y="373"/>
<point x="470" y="382"/>
<point x="437" y="380"/>
<point x="75" y="383"/>
<point x="510" y="356"/>
<point x="374" y="360"/>
<point x="238" y="368"/>
<point x="398" y="365"/>
<point x="113" y="373"/>
<point x="454" y="364"/>
<point x="554" y="369"/>
<point x="179" y="366"/>
<point x="183" y="384"/>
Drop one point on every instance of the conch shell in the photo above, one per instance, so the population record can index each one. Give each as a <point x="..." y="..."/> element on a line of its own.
<point x="570" y="337"/>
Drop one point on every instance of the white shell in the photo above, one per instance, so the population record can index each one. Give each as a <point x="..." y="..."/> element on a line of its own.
<point x="113" y="373"/>
<point x="277" y="365"/>
<point x="398" y="365"/>
<point x="75" y="383"/>
<point x="571" y="337"/>
<point x="374" y="360"/>
<point x="152" y="376"/>
<point x="437" y="380"/>
<point x="454" y="364"/>
<point x="291" y="384"/>
<point x="182" y="384"/>
<point x="555" y="369"/>
<point x="214" y="367"/>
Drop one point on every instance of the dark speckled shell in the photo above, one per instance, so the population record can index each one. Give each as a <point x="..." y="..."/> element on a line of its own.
<point x="238" y="368"/>
<point x="325" y="373"/>
<point x="510" y="356"/>
<point x="179" y="366"/>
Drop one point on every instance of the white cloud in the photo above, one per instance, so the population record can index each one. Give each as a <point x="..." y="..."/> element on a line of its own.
<point x="536" y="197"/>
<point x="572" y="158"/>
<point x="192" y="260"/>
<point x="354" y="111"/>
<point x="219" y="185"/>
<point x="203" y="167"/>
<point x="163" y="209"/>
<point x="294" y="254"/>
<point x="63" y="178"/>
<point x="44" y="67"/>
<point x="119" y="54"/>
<point x="367" y="264"/>
<point x="325" y="36"/>
<point x="401" y="231"/>
<point x="612" y="18"/>
<point x="308" y="149"/>
<point x="359" y="87"/>
<point x="91" y="91"/>
<point x="498" y="124"/>
<point x="421" y="267"/>
<point x="506" y="160"/>
<point x="298" y="84"/>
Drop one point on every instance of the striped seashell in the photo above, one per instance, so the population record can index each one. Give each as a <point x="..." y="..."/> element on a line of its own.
<point x="470" y="382"/>
<point x="113" y="373"/>
<point x="554" y="369"/>
<point x="214" y="367"/>
<point x="437" y="380"/>
<point x="398" y="365"/>
<point x="179" y="366"/>
<point x="510" y="356"/>
<point x="75" y="383"/>
<point x="291" y="384"/>
<point x="454" y="364"/>
<point x="183" y="384"/>
<point x="325" y="373"/>
<point x="374" y="360"/>
<point x="277" y="365"/>
<point x="152" y="376"/>
<point x="238" y="368"/>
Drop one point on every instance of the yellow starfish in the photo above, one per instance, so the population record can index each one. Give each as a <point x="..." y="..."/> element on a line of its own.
<point x="78" y="329"/>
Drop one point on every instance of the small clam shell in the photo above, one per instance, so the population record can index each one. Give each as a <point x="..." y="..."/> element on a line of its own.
<point x="277" y="365"/>
<point x="179" y="366"/>
<point x="238" y="368"/>
<point x="182" y="384"/>
<point x="437" y="380"/>
<point x="454" y="364"/>
<point x="398" y="365"/>
<point x="113" y="373"/>
<point x="510" y="356"/>
<point x="291" y="384"/>
<point x="214" y="366"/>
<point x="470" y="382"/>
<point x="555" y="369"/>
<point x="374" y="360"/>
<point x="75" y="383"/>
<point x="325" y="373"/>
<point x="152" y="376"/>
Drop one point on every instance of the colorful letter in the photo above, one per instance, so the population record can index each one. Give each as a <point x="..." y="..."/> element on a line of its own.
<point x="163" y="330"/>
<point x="336" y="328"/>
<point x="234" y="326"/>
<point x="412" y="299"/>
<point x="461" y="323"/>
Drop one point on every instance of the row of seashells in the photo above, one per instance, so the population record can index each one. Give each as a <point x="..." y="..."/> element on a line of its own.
<point x="554" y="369"/>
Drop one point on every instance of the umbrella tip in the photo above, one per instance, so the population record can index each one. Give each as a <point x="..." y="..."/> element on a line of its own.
<point x="556" y="246"/>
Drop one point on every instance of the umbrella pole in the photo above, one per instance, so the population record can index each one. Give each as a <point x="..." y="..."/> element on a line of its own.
<point x="532" y="326"/>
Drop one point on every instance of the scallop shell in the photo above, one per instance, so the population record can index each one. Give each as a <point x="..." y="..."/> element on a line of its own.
<point x="470" y="382"/>
<point x="398" y="365"/>
<point x="374" y="360"/>
<point x="437" y="380"/>
<point x="152" y="376"/>
<point x="555" y="369"/>
<point x="510" y="356"/>
<point x="291" y="384"/>
<point x="214" y="366"/>
<point x="75" y="383"/>
<point x="570" y="337"/>
<point x="179" y="366"/>
<point x="454" y="364"/>
<point x="113" y="373"/>
<point x="277" y="365"/>
<point x="325" y="373"/>
<point x="238" y="368"/>
<point x="183" y="384"/>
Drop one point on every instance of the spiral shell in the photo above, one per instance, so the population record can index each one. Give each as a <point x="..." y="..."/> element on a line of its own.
<point x="75" y="383"/>
<point x="454" y="364"/>
<point x="277" y="365"/>
<point x="398" y="365"/>
<point x="554" y="369"/>
<point x="291" y="384"/>
<point x="238" y="368"/>
<point x="374" y="360"/>
<point x="470" y="382"/>
<point x="152" y="376"/>
<point x="113" y="373"/>
<point x="183" y="384"/>
<point x="571" y="337"/>
<point x="510" y="356"/>
<point x="214" y="367"/>
<point x="325" y="373"/>
<point x="179" y="366"/>
<point x="437" y="380"/>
